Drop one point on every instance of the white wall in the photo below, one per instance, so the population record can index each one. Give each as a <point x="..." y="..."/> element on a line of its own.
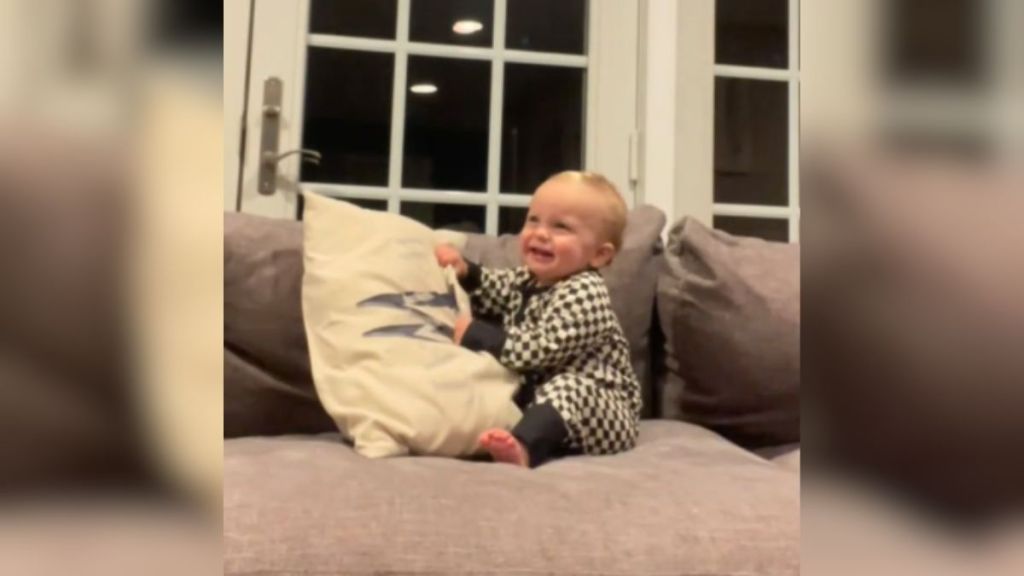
<point x="677" y="107"/>
<point x="695" y="119"/>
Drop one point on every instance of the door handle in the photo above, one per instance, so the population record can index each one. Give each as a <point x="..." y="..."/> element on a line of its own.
<point x="270" y="127"/>
<point x="311" y="156"/>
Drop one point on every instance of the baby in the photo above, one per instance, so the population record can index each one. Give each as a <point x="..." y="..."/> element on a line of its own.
<point x="558" y="331"/>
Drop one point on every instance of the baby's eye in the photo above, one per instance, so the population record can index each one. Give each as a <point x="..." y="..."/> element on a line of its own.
<point x="532" y="219"/>
<point x="562" y="226"/>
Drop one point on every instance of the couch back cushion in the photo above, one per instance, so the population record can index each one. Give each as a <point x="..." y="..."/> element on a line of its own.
<point x="730" y="311"/>
<point x="268" y="384"/>
<point x="631" y="278"/>
<point x="379" y="315"/>
<point x="268" y="387"/>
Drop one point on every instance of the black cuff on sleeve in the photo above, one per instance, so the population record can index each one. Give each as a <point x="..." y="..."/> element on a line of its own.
<point x="471" y="281"/>
<point x="484" y="336"/>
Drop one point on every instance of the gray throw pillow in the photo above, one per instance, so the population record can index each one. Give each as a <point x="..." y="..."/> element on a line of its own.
<point x="631" y="279"/>
<point x="730" y="311"/>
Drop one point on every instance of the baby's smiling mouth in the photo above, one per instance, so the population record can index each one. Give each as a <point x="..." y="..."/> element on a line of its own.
<point x="541" y="254"/>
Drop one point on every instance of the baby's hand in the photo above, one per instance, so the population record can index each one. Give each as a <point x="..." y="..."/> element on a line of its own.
<point x="448" y="255"/>
<point x="461" y="325"/>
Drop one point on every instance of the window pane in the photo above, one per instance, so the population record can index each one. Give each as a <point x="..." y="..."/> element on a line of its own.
<point x="450" y="216"/>
<point x="751" y="136"/>
<point x="348" y="121"/>
<point x="510" y="220"/>
<point x="371" y="18"/>
<point x="542" y="128"/>
<point x="752" y="33"/>
<point x="463" y="22"/>
<point x="446" y="130"/>
<point x="773" y="229"/>
<point x="547" y="26"/>
<point x="381" y="205"/>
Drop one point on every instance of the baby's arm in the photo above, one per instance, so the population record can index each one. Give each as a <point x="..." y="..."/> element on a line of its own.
<point x="491" y="288"/>
<point x="579" y="315"/>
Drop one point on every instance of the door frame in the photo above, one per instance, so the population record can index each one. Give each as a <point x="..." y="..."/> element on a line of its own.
<point x="237" y="34"/>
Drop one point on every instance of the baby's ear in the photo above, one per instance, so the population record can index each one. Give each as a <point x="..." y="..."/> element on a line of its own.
<point x="603" y="256"/>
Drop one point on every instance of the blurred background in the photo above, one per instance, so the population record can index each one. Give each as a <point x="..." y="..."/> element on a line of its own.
<point x="885" y="136"/>
<point x="110" y="371"/>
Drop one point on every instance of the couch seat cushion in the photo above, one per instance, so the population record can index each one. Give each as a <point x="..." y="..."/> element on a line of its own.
<point x="685" y="501"/>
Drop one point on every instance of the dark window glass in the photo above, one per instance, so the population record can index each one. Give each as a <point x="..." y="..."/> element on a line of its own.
<point x="752" y="33"/>
<point x="772" y="229"/>
<point x="547" y="25"/>
<point x="370" y="18"/>
<point x="510" y="220"/>
<point x="451" y="216"/>
<point x="446" y="131"/>
<point x="381" y="205"/>
<point x="542" y="125"/>
<point x="462" y="22"/>
<point x="348" y="121"/>
<point x="751" y="137"/>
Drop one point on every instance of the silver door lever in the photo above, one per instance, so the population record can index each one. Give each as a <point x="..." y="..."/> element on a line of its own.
<point x="311" y="156"/>
<point x="270" y="128"/>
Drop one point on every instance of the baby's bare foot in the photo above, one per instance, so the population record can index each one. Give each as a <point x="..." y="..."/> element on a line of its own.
<point x="504" y="447"/>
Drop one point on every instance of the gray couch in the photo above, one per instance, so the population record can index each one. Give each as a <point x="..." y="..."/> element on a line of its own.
<point x="713" y="488"/>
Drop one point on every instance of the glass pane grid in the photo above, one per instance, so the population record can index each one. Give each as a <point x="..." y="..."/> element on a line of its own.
<point x="526" y="31"/>
<point x="532" y="43"/>
<point x="446" y="50"/>
<point x="769" y="56"/>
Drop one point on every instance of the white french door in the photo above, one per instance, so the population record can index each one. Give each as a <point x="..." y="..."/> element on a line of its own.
<point x="447" y="111"/>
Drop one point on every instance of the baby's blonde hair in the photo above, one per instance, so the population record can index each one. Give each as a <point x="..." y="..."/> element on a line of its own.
<point x="614" y="217"/>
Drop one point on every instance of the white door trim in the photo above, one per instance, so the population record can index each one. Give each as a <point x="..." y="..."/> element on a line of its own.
<point x="285" y="59"/>
<point x="236" y="56"/>
<point x="677" y="115"/>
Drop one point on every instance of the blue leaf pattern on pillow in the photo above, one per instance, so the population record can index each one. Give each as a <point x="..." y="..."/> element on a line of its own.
<point x="431" y="330"/>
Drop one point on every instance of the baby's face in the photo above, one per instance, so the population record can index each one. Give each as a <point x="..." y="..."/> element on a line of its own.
<point x="562" y="233"/>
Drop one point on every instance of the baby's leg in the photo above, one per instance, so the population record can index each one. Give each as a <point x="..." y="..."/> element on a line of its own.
<point x="600" y="420"/>
<point x="539" y="436"/>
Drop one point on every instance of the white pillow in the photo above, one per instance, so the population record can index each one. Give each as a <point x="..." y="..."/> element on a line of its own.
<point x="378" y="315"/>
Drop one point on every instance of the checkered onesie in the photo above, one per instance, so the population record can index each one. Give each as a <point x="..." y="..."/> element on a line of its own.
<point x="566" y="343"/>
